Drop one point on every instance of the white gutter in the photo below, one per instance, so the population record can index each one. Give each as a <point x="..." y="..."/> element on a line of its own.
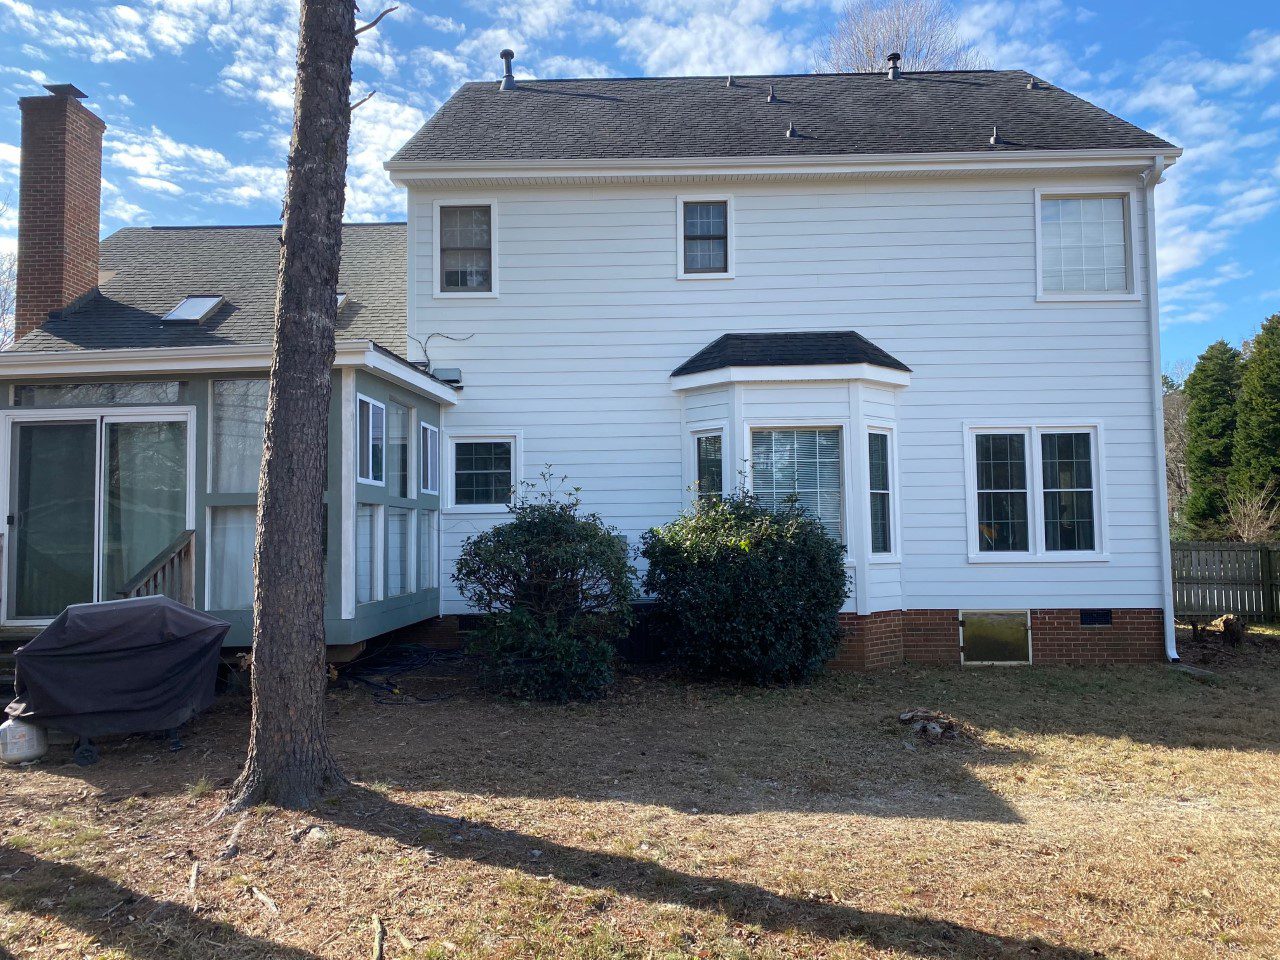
<point x="1150" y="178"/>
<point x="362" y="354"/>
<point x="404" y="172"/>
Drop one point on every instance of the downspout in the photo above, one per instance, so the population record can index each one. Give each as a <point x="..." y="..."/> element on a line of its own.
<point x="1149" y="179"/>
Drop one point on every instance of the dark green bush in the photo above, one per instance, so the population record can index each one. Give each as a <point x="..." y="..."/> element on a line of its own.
<point x="557" y="585"/>
<point x="747" y="593"/>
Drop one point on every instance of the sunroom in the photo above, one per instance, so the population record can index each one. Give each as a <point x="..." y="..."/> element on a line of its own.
<point x="135" y="471"/>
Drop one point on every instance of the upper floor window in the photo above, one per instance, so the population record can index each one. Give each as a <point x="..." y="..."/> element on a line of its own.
<point x="705" y="226"/>
<point x="371" y="420"/>
<point x="1084" y="246"/>
<point x="466" y="248"/>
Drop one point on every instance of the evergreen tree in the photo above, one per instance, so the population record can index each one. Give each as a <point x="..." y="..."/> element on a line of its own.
<point x="1255" y="456"/>
<point x="1212" y="390"/>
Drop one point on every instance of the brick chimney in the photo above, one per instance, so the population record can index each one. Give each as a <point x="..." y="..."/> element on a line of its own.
<point x="59" y="201"/>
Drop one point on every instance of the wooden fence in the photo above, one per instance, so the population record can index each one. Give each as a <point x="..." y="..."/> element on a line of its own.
<point x="1210" y="579"/>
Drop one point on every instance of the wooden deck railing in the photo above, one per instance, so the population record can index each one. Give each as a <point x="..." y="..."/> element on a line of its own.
<point x="171" y="574"/>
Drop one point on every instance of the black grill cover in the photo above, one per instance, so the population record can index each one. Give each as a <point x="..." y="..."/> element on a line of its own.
<point x="124" y="666"/>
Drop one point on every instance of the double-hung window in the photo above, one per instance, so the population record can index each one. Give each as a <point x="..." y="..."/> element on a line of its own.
<point x="880" y="491"/>
<point x="1084" y="248"/>
<point x="465" y="249"/>
<point x="800" y="466"/>
<point x="705" y="227"/>
<point x="371" y="421"/>
<point x="429" y="454"/>
<point x="1034" y="492"/>
<point x="709" y="461"/>
<point x="397" y="450"/>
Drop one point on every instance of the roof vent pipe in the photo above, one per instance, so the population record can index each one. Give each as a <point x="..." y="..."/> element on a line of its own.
<point x="995" y="137"/>
<point x="894" y="60"/>
<point x="728" y="81"/>
<point x="772" y="97"/>
<point x="792" y="132"/>
<point x="508" y="78"/>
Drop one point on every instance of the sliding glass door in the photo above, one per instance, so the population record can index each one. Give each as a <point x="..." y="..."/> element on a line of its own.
<point x="92" y="502"/>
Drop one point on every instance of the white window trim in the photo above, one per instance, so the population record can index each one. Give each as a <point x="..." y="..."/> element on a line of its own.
<point x="706" y="428"/>
<point x="1130" y="204"/>
<point x="1035" y="494"/>
<point x="895" y="498"/>
<point x="730" y="245"/>
<point x="378" y="551"/>
<point x="360" y="397"/>
<point x="846" y="463"/>
<point x="431" y="446"/>
<point x="436" y="292"/>
<point x="431" y="518"/>
<point x="451" y="440"/>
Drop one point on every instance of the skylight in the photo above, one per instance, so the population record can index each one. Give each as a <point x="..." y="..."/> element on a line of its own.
<point x="192" y="310"/>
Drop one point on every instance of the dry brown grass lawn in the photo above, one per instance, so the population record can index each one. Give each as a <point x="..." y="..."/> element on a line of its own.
<point x="1124" y="812"/>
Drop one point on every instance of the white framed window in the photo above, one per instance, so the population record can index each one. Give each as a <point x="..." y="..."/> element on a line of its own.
<point x="400" y="547"/>
<point x="484" y="471"/>
<point x="704" y="237"/>
<point x="882" y="514"/>
<point x="1084" y="246"/>
<point x="368" y="552"/>
<point x="397" y="447"/>
<point x="1035" y="492"/>
<point x="429" y="458"/>
<point x="231" y="539"/>
<point x="371" y="432"/>
<point x="803" y="464"/>
<point x="708" y="464"/>
<point x="428" y="549"/>
<point x="238" y="421"/>
<point x="464" y="241"/>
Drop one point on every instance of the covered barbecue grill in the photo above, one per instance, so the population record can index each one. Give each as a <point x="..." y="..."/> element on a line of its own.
<point x="124" y="666"/>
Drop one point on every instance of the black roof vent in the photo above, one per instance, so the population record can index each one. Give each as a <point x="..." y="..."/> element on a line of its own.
<point x="508" y="78"/>
<point x="894" y="59"/>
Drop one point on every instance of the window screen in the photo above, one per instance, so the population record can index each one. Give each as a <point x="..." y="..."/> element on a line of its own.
<point x="1002" y="492"/>
<point x="1067" y="460"/>
<point x="710" y="449"/>
<point x="706" y="236"/>
<point x="1082" y="245"/>
<point x="397" y="450"/>
<point x="881" y="517"/>
<point x="482" y="472"/>
<point x="466" y="249"/>
<point x="366" y="545"/>
<point x="800" y="466"/>
<point x="399" y="551"/>
<point x="239" y="422"/>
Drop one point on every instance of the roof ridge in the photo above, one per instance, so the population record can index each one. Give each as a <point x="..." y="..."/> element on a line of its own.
<point x="742" y="76"/>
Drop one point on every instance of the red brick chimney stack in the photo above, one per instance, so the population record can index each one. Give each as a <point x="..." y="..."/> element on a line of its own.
<point x="59" y="202"/>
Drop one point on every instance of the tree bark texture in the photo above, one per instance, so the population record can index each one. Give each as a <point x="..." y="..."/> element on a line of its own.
<point x="289" y="762"/>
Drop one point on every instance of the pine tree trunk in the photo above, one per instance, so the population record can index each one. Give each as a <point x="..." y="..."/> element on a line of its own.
<point x="289" y="762"/>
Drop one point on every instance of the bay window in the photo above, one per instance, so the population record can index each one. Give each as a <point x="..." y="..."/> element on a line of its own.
<point x="879" y="491"/>
<point x="800" y="466"/>
<point x="709" y="463"/>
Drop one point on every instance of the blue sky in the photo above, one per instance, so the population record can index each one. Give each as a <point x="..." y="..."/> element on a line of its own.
<point x="197" y="95"/>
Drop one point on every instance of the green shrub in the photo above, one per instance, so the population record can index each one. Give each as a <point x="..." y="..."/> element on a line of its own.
<point x="557" y="585"/>
<point x="747" y="593"/>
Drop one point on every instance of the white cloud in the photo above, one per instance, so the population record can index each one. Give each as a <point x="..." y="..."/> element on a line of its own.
<point x="158" y="185"/>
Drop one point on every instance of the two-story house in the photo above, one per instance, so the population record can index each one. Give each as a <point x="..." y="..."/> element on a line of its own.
<point x="924" y="304"/>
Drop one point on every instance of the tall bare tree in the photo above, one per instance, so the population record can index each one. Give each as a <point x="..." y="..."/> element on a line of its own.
<point x="289" y="762"/>
<point x="1177" y="478"/>
<point x="1254" y="515"/>
<point x="8" y="284"/>
<point x="925" y="32"/>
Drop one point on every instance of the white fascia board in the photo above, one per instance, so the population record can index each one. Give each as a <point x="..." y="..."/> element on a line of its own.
<point x="404" y="172"/>
<point x="216" y="359"/>
<point x="864" y="372"/>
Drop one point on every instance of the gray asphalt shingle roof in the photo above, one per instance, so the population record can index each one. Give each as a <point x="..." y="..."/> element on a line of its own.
<point x="701" y="117"/>
<point x="788" y="349"/>
<point x="147" y="271"/>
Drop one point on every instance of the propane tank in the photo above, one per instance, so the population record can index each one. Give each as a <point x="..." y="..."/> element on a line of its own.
<point x="22" y="742"/>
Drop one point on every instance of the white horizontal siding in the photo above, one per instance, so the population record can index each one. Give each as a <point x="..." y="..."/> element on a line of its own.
<point x="577" y="350"/>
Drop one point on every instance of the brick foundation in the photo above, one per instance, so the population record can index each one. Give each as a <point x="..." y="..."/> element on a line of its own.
<point x="878" y="640"/>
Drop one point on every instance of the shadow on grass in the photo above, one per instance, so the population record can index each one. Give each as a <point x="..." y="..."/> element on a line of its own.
<point x="119" y="917"/>
<point x="369" y="812"/>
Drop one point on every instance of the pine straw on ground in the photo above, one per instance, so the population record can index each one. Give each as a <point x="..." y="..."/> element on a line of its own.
<point x="1127" y="812"/>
